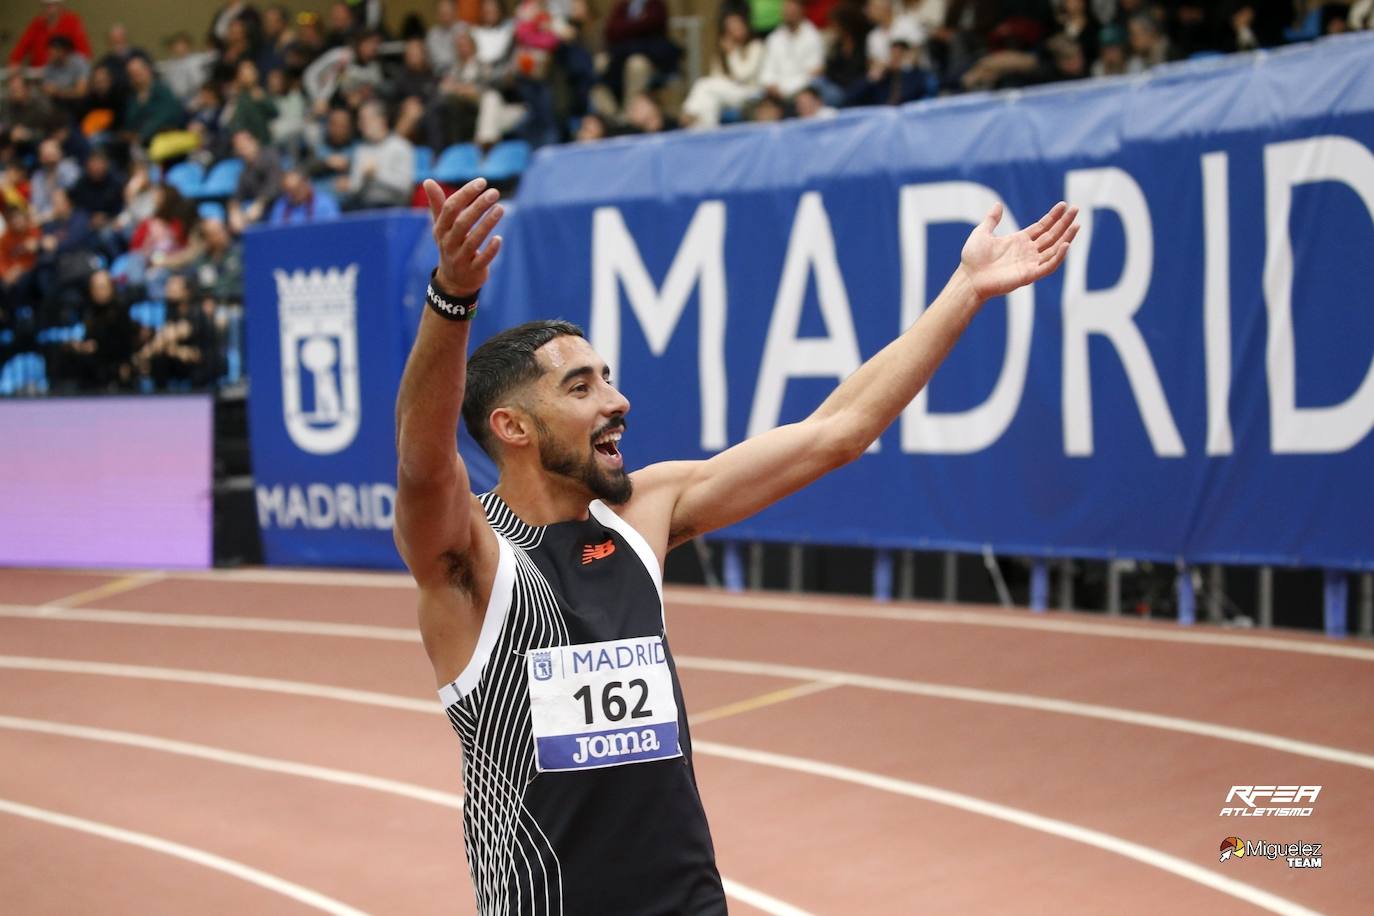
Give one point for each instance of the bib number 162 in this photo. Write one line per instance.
(614, 706)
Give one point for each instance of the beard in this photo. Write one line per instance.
(614, 487)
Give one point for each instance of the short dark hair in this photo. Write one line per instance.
(505, 361)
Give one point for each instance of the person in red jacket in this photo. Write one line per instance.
(32, 47)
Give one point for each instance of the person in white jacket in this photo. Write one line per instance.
(383, 173)
(794, 53)
(734, 78)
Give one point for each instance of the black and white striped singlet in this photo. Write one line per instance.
(618, 839)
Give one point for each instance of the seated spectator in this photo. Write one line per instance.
(592, 128)
(895, 81)
(299, 203)
(65, 259)
(274, 38)
(494, 34)
(1148, 46)
(152, 107)
(1335, 18)
(99, 191)
(415, 79)
(734, 78)
(643, 115)
(118, 52)
(1362, 15)
(888, 26)
(32, 48)
(332, 155)
(222, 22)
(66, 75)
(639, 28)
(345, 67)
(54, 172)
(248, 106)
(1077, 21)
(18, 257)
(185, 350)
(767, 110)
(103, 359)
(160, 241)
(1111, 51)
(794, 54)
(810, 105)
(259, 182)
(205, 119)
(289, 126)
(102, 109)
(185, 71)
(218, 264)
(454, 112)
(846, 62)
(239, 45)
(439, 38)
(26, 116)
(383, 173)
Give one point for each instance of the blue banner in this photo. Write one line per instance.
(1196, 382)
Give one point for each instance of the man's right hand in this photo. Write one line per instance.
(461, 224)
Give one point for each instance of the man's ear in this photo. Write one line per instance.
(511, 426)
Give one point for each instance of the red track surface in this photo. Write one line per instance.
(854, 758)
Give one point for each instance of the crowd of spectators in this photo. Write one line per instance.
(323, 113)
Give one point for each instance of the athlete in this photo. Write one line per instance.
(541, 602)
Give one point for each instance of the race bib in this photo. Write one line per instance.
(602, 704)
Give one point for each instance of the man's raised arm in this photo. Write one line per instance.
(434, 515)
(747, 478)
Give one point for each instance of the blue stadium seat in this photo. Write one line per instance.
(186, 177)
(26, 373)
(212, 209)
(152, 315)
(71, 334)
(221, 181)
(457, 164)
(119, 267)
(506, 160)
(424, 163)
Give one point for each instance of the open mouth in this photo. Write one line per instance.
(608, 443)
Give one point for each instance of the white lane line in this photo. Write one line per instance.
(199, 856)
(1038, 704)
(234, 758)
(1149, 632)
(928, 793)
(891, 685)
(211, 622)
(759, 900)
(215, 679)
(734, 889)
(1037, 822)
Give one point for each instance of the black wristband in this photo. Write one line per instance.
(454, 308)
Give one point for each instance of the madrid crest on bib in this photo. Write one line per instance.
(317, 310)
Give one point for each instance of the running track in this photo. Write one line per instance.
(270, 742)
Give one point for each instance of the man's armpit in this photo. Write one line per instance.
(458, 571)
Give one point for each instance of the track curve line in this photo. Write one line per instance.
(688, 662)
(1105, 841)
(188, 853)
(1026, 819)
(1036, 704)
(235, 758)
(734, 889)
(1150, 632)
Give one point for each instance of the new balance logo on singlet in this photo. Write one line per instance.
(592, 552)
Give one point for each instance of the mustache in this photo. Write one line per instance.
(617, 423)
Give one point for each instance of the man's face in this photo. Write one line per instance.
(49, 153)
(578, 417)
(792, 13)
(340, 127)
(139, 74)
